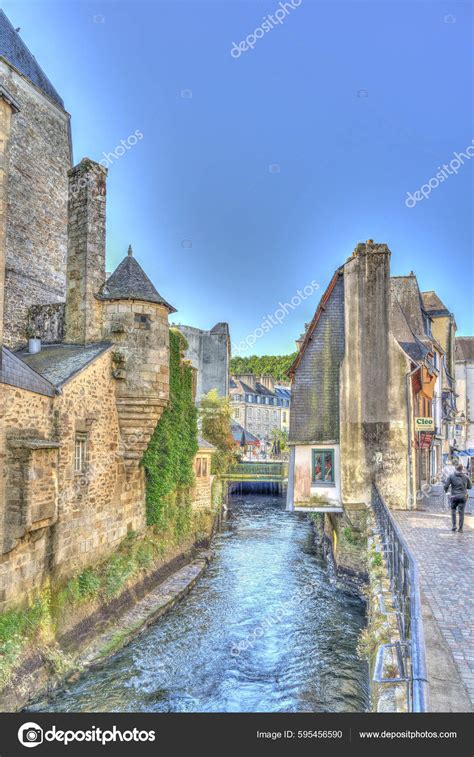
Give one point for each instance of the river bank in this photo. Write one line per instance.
(264, 629)
(69, 638)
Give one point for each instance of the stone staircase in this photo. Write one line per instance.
(138, 417)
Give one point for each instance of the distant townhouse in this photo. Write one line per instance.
(259, 406)
(284, 393)
(443, 330)
(464, 356)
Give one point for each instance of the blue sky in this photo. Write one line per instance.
(258, 174)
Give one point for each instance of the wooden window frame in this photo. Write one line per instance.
(324, 452)
(80, 446)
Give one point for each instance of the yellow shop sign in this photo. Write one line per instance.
(424, 424)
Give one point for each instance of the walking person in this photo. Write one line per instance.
(459, 483)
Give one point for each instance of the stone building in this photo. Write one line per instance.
(78, 415)
(259, 406)
(465, 399)
(36, 153)
(209, 354)
(363, 385)
(443, 330)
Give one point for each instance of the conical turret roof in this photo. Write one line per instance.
(130, 282)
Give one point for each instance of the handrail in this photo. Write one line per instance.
(262, 468)
(405, 586)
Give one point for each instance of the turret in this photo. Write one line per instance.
(135, 319)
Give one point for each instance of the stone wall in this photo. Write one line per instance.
(36, 235)
(202, 491)
(374, 442)
(47, 321)
(209, 353)
(58, 521)
(5, 128)
(140, 333)
(86, 252)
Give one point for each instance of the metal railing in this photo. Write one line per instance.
(274, 469)
(405, 587)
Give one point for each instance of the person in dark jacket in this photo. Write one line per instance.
(459, 483)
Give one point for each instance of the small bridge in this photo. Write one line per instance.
(266, 476)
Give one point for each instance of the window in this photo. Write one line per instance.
(143, 321)
(80, 451)
(237, 412)
(322, 472)
(201, 467)
(284, 416)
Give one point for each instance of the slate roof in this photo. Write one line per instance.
(260, 389)
(464, 347)
(15, 372)
(16, 52)
(58, 363)
(405, 289)
(283, 391)
(314, 321)
(433, 305)
(130, 282)
(204, 444)
(237, 429)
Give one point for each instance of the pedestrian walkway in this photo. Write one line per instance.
(446, 564)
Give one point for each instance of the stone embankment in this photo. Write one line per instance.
(98, 635)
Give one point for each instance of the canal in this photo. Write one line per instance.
(264, 630)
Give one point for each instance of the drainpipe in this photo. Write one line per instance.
(410, 450)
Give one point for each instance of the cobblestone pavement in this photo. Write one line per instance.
(446, 566)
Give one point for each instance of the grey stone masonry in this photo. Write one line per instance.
(209, 353)
(314, 413)
(36, 217)
(86, 252)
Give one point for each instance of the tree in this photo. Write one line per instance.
(280, 436)
(263, 365)
(216, 416)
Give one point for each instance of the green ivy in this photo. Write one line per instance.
(169, 458)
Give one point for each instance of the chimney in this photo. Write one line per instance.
(247, 378)
(86, 252)
(268, 382)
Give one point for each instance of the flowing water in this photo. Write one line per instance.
(264, 630)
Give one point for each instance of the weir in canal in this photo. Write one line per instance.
(264, 630)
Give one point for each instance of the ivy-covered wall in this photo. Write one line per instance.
(168, 460)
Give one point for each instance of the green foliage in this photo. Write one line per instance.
(119, 570)
(281, 436)
(377, 560)
(263, 365)
(216, 416)
(40, 621)
(169, 458)
(16, 626)
(351, 535)
(88, 583)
